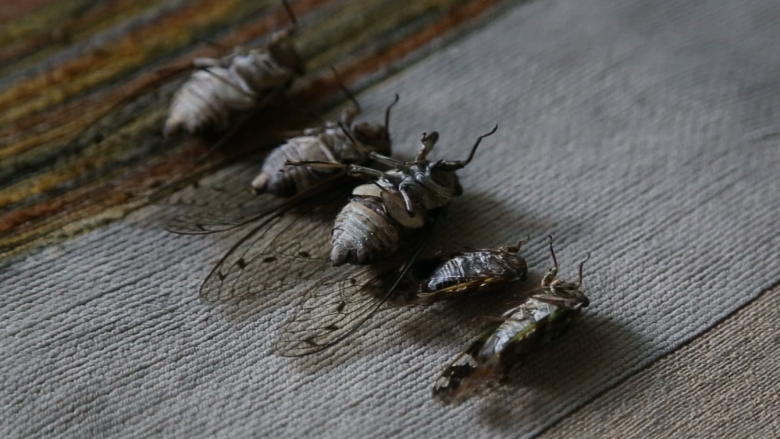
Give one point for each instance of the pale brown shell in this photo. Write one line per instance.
(211, 95)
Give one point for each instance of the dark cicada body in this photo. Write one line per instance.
(536, 321)
(472, 272)
(343, 142)
(237, 82)
(370, 226)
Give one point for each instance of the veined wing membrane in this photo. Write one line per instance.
(204, 221)
(337, 305)
(281, 246)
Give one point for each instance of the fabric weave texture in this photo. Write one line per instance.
(645, 133)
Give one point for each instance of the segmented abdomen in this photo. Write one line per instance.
(471, 266)
(210, 95)
(284, 181)
(363, 232)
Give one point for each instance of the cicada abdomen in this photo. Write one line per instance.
(370, 226)
(536, 321)
(472, 272)
(344, 142)
(237, 82)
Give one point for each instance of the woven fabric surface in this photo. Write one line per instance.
(86, 85)
(643, 133)
(724, 384)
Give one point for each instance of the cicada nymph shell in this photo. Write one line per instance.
(237, 82)
(536, 321)
(471, 272)
(340, 141)
(370, 226)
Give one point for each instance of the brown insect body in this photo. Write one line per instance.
(472, 272)
(237, 82)
(536, 321)
(343, 142)
(370, 226)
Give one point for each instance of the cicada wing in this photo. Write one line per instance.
(278, 250)
(465, 373)
(254, 267)
(244, 208)
(204, 221)
(332, 308)
(474, 285)
(338, 304)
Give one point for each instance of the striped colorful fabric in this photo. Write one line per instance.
(85, 87)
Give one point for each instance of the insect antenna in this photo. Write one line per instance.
(579, 282)
(349, 135)
(291, 14)
(387, 114)
(516, 248)
(552, 252)
(454, 165)
(474, 149)
(346, 91)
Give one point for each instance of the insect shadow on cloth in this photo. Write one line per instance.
(536, 321)
(287, 249)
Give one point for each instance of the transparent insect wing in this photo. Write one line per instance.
(280, 246)
(336, 306)
(458, 380)
(270, 257)
(331, 309)
(207, 220)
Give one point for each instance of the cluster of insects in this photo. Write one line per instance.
(354, 227)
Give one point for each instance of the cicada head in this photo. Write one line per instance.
(518, 264)
(565, 290)
(570, 292)
(511, 255)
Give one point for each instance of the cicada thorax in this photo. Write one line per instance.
(342, 142)
(238, 82)
(318, 144)
(371, 225)
(539, 319)
(472, 272)
(410, 194)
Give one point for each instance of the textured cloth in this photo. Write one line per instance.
(644, 133)
(724, 384)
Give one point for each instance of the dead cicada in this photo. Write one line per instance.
(336, 305)
(237, 82)
(468, 272)
(293, 247)
(370, 226)
(537, 320)
(340, 141)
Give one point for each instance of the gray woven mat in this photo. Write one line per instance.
(724, 384)
(643, 132)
